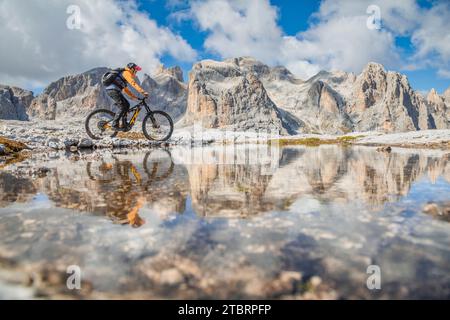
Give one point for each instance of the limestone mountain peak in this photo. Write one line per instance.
(372, 67)
(175, 72)
(446, 95)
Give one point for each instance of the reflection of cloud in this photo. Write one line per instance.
(264, 154)
(306, 204)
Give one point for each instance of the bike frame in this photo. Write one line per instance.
(137, 109)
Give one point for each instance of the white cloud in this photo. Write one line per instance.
(37, 47)
(432, 39)
(247, 27)
(443, 73)
(398, 17)
(427, 28)
(343, 43)
(338, 37)
(336, 41)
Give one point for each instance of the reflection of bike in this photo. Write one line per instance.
(158, 165)
(157, 125)
(125, 194)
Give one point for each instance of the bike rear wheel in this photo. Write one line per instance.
(158, 164)
(157, 126)
(99, 124)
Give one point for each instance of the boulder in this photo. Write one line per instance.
(85, 143)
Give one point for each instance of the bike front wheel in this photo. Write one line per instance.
(98, 124)
(157, 126)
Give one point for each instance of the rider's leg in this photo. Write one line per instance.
(125, 106)
(122, 103)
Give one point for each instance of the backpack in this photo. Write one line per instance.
(109, 77)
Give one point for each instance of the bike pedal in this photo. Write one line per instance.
(121, 129)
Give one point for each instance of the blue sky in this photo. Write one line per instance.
(293, 17)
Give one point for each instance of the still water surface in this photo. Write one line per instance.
(296, 222)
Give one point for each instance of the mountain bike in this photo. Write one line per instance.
(156, 126)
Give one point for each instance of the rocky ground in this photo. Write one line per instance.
(50, 135)
(413, 139)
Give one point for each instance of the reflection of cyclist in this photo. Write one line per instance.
(119, 82)
(133, 217)
(126, 196)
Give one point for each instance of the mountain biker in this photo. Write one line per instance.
(127, 77)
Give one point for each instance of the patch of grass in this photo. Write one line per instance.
(14, 151)
(311, 142)
(345, 130)
(305, 142)
(314, 142)
(347, 138)
(12, 146)
(131, 135)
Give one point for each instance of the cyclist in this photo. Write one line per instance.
(121, 83)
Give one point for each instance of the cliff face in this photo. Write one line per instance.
(446, 96)
(14, 103)
(71, 96)
(224, 95)
(439, 108)
(307, 106)
(167, 91)
(385, 101)
(337, 102)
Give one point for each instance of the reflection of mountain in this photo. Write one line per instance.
(228, 190)
(328, 173)
(14, 189)
(331, 173)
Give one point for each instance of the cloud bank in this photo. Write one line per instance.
(38, 47)
(338, 36)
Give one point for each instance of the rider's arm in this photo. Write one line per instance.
(129, 93)
(130, 79)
